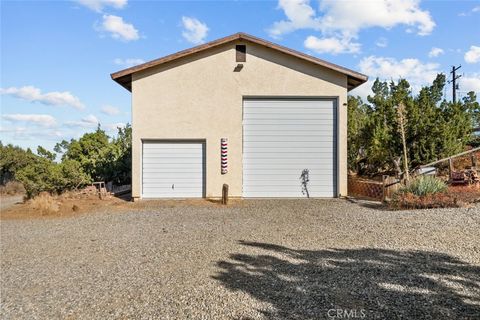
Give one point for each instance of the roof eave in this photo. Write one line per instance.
(124, 77)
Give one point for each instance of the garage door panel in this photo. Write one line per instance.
(170, 166)
(258, 151)
(287, 102)
(287, 116)
(152, 153)
(182, 187)
(296, 190)
(278, 158)
(316, 113)
(172, 170)
(317, 122)
(282, 138)
(168, 161)
(172, 145)
(304, 163)
(287, 138)
(271, 174)
(166, 172)
(279, 184)
(290, 144)
(170, 194)
(168, 180)
(285, 155)
(286, 133)
(297, 193)
(282, 168)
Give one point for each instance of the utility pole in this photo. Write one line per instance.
(454, 85)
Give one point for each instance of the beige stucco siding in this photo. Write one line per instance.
(200, 97)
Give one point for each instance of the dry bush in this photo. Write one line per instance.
(12, 188)
(45, 204)
(465, 161)
(453, 197)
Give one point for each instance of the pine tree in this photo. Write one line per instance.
(434, 128)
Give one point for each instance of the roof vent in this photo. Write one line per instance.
(241, 53)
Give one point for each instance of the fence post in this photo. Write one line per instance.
(384, 187)
(225, 194)
(450, 168)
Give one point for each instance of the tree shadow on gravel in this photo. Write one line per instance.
(356, 283)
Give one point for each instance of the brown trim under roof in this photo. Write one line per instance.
(124, 77)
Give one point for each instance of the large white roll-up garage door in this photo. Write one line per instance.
(172, 170)
(289, 148)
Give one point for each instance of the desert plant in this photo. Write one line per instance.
(45, 203)
(424, 185)
(46, 175)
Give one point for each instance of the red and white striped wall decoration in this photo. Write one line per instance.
(224, 143)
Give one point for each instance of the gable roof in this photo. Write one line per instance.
(124, 77)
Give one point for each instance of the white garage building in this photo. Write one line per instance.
(264, 119)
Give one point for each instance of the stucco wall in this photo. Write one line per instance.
(200, 97)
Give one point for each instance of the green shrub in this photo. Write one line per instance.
(43, 175)
(425, 185)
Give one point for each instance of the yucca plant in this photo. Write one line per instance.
(425, 185)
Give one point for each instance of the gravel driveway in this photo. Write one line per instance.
(265, 259)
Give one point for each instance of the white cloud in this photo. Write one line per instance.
(435, 52)
(356, 15)
(17, 132)
(470, 82)
(381, 42)
(110, 110)
(129, 62)
(352, 16)
(89, 121)
(31, 134)
(43, 120)
(98, 5)
(390, 68)
(469, 13)
(416, 72)
(331, 45)
(472, 55)
(54, 98)
(300, 15)
(194, 30)
(113, 127)
(341, 21)
(118, 28)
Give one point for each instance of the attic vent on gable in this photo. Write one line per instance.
(241, 53)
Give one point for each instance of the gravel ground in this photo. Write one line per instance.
(265, 259)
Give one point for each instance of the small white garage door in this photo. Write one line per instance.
(289, 148)
(172, 170)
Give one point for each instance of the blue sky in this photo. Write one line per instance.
(56, 57)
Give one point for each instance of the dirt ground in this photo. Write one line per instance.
(13, 207)
(24, 210)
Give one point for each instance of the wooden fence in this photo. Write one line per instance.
(371, 189)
